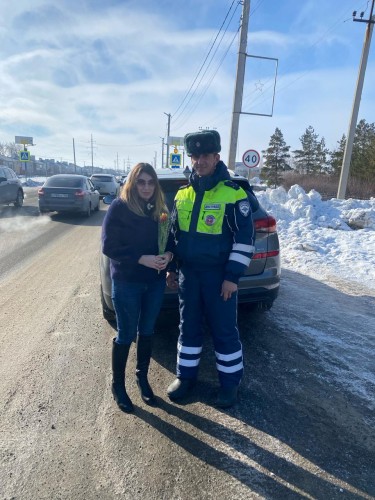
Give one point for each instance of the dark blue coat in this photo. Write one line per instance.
(127, 236)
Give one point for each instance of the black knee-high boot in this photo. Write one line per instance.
(120, 354)
(144, 350)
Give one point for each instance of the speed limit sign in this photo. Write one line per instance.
(251, 158)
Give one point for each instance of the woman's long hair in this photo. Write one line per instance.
(129, 192)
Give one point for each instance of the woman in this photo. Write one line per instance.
(133, 237)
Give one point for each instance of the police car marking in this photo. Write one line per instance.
(244, 208)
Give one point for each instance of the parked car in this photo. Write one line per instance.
(259, 287)
(106, 184)
(68, 193)
(11, 190)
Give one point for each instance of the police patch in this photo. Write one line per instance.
(244, 208)
(210, 220)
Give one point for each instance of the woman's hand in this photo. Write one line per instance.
(158, 262)
(168, 256)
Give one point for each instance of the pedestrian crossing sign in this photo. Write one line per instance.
(25, 155)
(175, 160)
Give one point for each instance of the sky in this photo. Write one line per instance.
(107, 74)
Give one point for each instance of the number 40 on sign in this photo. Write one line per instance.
(251, 158)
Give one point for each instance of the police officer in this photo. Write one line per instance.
(214, 242)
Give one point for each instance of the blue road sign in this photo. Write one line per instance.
(25, 155)
(175, 160)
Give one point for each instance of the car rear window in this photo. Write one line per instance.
(69, 182)
(101, 178)
(170, 188)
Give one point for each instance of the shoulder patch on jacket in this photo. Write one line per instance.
(232, 184)
(244, 207)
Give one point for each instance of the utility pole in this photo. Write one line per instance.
(74, 156)
(92, 157)
(237, 102)
(168, 134)
(162, 152)
(357, 100)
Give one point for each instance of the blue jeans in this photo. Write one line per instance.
(137, 306)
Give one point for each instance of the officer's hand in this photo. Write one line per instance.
(171, 280)
(227, 288)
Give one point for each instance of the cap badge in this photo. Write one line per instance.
(197, 144)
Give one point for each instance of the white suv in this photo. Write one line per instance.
(105, 184)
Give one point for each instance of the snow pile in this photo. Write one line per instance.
(33, 182)
(324, 238)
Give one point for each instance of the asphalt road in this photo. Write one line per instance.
(304, 427)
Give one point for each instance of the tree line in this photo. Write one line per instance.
(314, 158)
(10, 149)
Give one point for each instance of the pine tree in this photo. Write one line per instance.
(308, 159)
(363, 159)
(275, 158)
(362, 164)
(323, 153)
(337, 156)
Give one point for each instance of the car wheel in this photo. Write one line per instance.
(108, 314)
(19, 200)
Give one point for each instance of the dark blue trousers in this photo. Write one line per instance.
(199, 294)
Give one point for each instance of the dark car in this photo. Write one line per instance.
(260, 285)
(68, 193)
(10, 187)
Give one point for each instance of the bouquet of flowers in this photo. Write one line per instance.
(163, 231)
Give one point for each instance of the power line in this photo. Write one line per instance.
(281, 88)
(190, 93)
(205, 59)
(206, 70)
(210, 81)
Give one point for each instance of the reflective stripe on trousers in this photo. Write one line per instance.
(199, 293)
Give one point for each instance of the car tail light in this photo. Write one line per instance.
(80, 193)
(265, 255)
(40, 192)
(266, 225)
